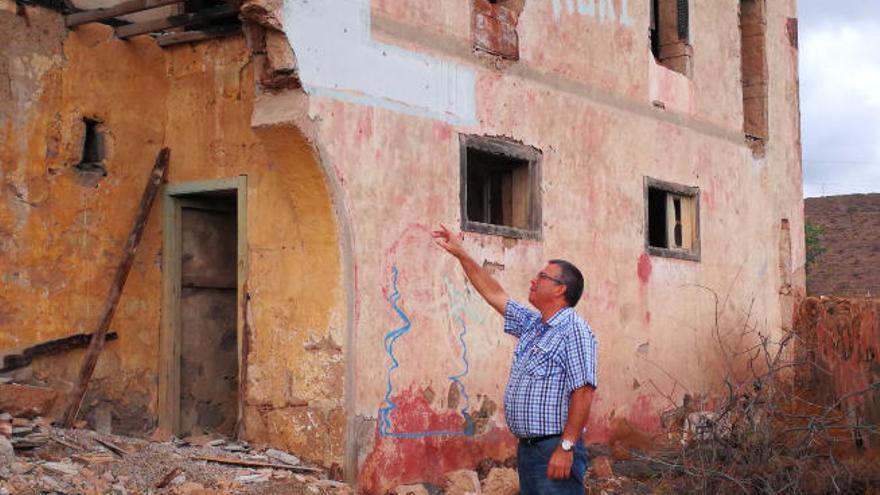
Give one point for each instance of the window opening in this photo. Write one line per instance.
(670, 34)
(493, 24)
(672, 220)
(500, 187)
(753, 27)
(91, 165)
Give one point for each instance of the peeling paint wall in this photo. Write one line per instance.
(61, 240)
(367, 342)
(587, 93)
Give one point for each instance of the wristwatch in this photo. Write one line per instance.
(566, 445)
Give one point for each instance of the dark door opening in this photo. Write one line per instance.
(208, 310)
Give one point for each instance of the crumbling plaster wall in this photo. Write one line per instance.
(61, 240)
(431, 356)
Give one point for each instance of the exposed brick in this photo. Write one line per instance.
(494, 29)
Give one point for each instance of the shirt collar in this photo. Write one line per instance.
(559, 316)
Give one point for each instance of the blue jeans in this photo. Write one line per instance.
(532, 463)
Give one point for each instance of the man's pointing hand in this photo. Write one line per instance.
(448, 241)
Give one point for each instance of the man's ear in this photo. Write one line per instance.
(562, 289)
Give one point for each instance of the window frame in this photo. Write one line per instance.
(517, 151)
(680, 190)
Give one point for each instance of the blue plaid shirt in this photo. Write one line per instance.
(550, 361)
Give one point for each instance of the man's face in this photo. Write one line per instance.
(546, 286)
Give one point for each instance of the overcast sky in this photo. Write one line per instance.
(840, 95)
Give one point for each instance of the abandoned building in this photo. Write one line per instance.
(286, 289)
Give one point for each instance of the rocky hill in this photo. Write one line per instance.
(848, 230)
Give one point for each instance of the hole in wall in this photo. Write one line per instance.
(90, 168)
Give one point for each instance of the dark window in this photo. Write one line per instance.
(93, 143)
(673, 221)
(500, 193)
(670, 33)
(93, 151)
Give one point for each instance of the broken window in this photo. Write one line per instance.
(670, 35)
(494, 27)
(753, 28)
(672, 220)
(500, 187)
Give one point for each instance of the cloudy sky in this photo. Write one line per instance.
(840, 95)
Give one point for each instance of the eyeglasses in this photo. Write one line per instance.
(544, 276)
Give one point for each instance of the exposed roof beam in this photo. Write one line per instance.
(190, 36)
(128, 7)
(176, 20)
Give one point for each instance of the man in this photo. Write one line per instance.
(553, 374)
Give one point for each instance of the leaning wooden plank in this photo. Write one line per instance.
(129, 7)
(192, 36)
(175, 20)
(255, 464)
(19, 358)
(157, 176)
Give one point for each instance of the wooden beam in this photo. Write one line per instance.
(175, 20)
(253, 464)
(193, 36)
(157, 177)
(20, 358)
(129, 7)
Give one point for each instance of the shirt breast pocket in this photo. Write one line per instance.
(542, 364)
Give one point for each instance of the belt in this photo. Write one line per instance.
(532, 441)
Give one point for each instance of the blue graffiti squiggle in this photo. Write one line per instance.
(385, 427)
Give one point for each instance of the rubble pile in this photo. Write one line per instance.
(37, 458)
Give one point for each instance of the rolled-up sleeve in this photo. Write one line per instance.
(580, 359)
(518, 318)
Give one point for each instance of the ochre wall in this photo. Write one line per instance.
(61, 240)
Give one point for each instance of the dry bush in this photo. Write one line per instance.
(766, 435)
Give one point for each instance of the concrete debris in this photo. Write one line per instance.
(253, 478)
(236, 447)
(501, 481)
(36, 457)
(416, 489)
(283, 457)
(462, 482)
(63, 468)
(7, 453)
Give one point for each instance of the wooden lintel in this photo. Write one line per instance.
(128, 7)
(175, 20)
(193, 36)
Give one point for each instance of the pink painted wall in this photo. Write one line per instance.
(582, 93)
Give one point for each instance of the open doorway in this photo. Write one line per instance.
(203, 272)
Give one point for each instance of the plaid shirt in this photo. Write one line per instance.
(550, 361)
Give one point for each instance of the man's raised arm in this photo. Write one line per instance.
(485, 284)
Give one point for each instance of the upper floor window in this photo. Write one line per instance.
(670, 35)
(753, 28)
